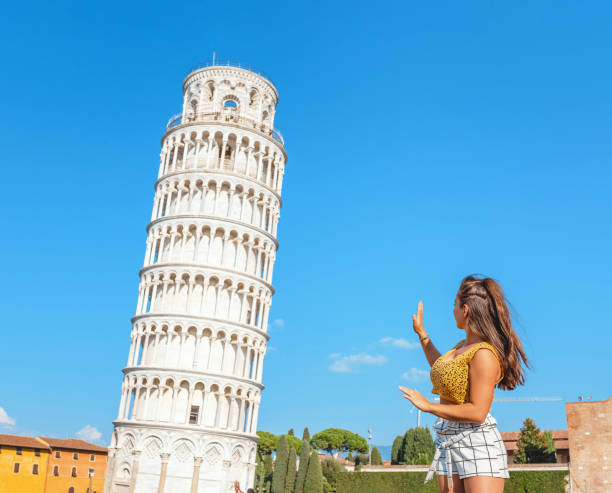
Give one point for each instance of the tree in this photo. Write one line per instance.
(361, 460)
(268, 471)
(290, 479)
(395, 449)
(303, 469)
(533, 445)
(336, 440)
(291, 433)
(376, 457)
(350, 457)
(267, 443)
(417, 447)
(260, 476)
(280, 466)
(330, 468)
(294, 443)
(314, 476)
(306, 435)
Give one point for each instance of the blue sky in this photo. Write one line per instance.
(425, 142)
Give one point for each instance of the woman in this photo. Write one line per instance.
(470, 453)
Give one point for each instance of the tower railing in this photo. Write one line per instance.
(229, 63)
(228, 117)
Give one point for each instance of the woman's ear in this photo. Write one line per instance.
(466, 311)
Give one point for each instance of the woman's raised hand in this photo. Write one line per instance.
(417, 321)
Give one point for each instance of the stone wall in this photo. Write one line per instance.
(589, 426)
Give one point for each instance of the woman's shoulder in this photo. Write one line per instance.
(482, 345)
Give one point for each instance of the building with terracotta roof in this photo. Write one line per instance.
(559, 439)
(74, 466)
(50, 465)
(23, 464)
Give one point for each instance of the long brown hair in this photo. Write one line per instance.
(489, 318)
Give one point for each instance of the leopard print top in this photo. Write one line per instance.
(450, 377)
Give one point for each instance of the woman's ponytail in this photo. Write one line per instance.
(489, 317)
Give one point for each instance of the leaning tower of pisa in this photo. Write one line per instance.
(192, 385)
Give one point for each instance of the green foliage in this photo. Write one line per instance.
(314, 476)
(384, 482)
(350, 457)
(376, 457)
(306, 435)
(294, 443)
(361, 460)
(260, 476)
(537, 482)
(268, 470)
(533, 446)
(395, 449)
(334, 440)
(280, 466)
(291, 433)
(267, 443)
(291, 472)
(301, 474)
(550, 444)
(396, 482)
(327, 487)
(330, 469)
(417, 447)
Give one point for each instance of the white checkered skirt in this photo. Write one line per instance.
(469, 449)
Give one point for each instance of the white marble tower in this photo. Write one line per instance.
(192, 385)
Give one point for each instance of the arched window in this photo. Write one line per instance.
(56, 470)
(71, 489)
(73, 473)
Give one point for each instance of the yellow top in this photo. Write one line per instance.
(450, 377)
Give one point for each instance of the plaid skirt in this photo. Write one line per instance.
(468, 449)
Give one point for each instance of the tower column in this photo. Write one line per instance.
(165, 457)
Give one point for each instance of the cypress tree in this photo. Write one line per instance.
(376, 457)
(260, 479)
(291, 432)
(301, 475)
(314, 476)
(306, 435)
(268, 470)
(290, 480)
(280, 466)
(395, 449)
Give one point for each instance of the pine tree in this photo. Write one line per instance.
(314, 476)
(376, 457)
(291, 472)
(395, 449)
(280, 466)
(533, 446)
(301, 475)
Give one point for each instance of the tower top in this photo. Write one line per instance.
(235, 91)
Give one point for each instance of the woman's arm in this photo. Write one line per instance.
(431, 353)
(484, 372)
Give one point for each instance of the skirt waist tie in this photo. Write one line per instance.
(446, 445)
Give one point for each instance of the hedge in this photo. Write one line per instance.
(412, 482)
